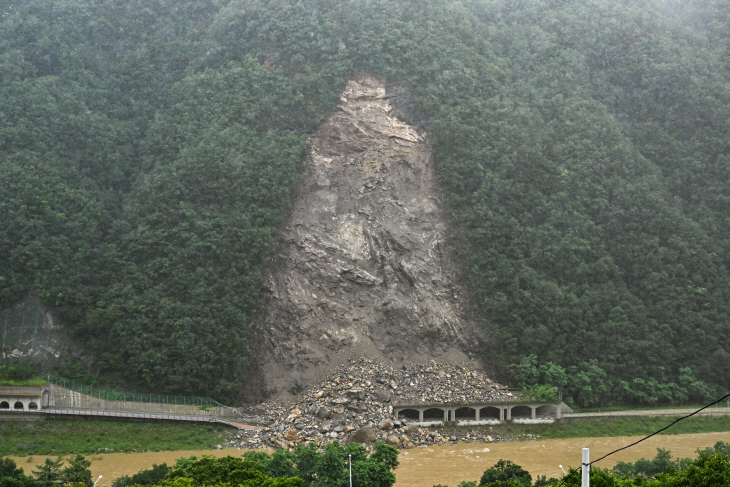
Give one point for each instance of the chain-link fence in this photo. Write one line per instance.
(132, 396)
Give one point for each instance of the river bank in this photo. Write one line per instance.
(628, 426)
(445, 464)
(95, 436)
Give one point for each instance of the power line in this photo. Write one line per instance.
(574, 470)
(570, 474)
(665, 428)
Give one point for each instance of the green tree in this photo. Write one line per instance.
(646, 469)
(705, 471)
(305, 459)
(208, 471)
(151, 476)
(50, 473)
(330, 467)
(78, 472)
(505, 474)
(12, 476)
(282, 464)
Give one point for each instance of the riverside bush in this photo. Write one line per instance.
(711, 468)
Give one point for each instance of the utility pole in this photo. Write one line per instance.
(586, 469)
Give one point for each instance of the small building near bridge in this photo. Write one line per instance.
(23, 399)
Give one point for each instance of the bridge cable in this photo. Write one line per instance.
(574, 470)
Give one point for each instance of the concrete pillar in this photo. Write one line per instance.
(558, 412)
(509, 413)
(446, 415)
(476, 413)
(420, 415)
(501, 414)
(533, 412)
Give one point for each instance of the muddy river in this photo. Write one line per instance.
(447, 464)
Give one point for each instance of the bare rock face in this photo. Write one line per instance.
(31, 334)
(362, 268)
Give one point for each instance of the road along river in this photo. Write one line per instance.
(446, 464)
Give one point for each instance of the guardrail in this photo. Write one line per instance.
(649, 412)
(129, 414)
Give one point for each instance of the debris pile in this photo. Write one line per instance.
(356, 403)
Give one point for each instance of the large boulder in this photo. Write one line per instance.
(357, 408)
(385, 425)
(278, 444)
(291, 435)
(356, 394)
(392, 440)
(382, 396)
(365, 435)
(323, 412)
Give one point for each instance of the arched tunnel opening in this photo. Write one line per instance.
(521, 412)
(411, 414)
(545, 411)
(433, 414)
(465, 414)
(489, 412)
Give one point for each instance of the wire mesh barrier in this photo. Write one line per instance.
(108, 395)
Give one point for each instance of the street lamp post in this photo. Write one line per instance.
(97, 480)
(350, 457)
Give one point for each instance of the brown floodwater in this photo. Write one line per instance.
(446, 464)
(449, 465)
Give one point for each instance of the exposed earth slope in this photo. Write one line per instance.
(362, 267)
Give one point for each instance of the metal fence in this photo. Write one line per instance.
(132, 396)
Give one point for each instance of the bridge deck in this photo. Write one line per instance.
(649, 412)
(197, 418)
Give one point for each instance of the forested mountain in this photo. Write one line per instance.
(148, 150)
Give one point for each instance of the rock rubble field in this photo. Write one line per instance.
(355, 403)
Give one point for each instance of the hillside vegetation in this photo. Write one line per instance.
(148, 150)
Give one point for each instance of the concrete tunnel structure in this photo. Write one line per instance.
(17, 398)
(481, 413)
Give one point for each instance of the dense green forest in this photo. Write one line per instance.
(148, 151)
